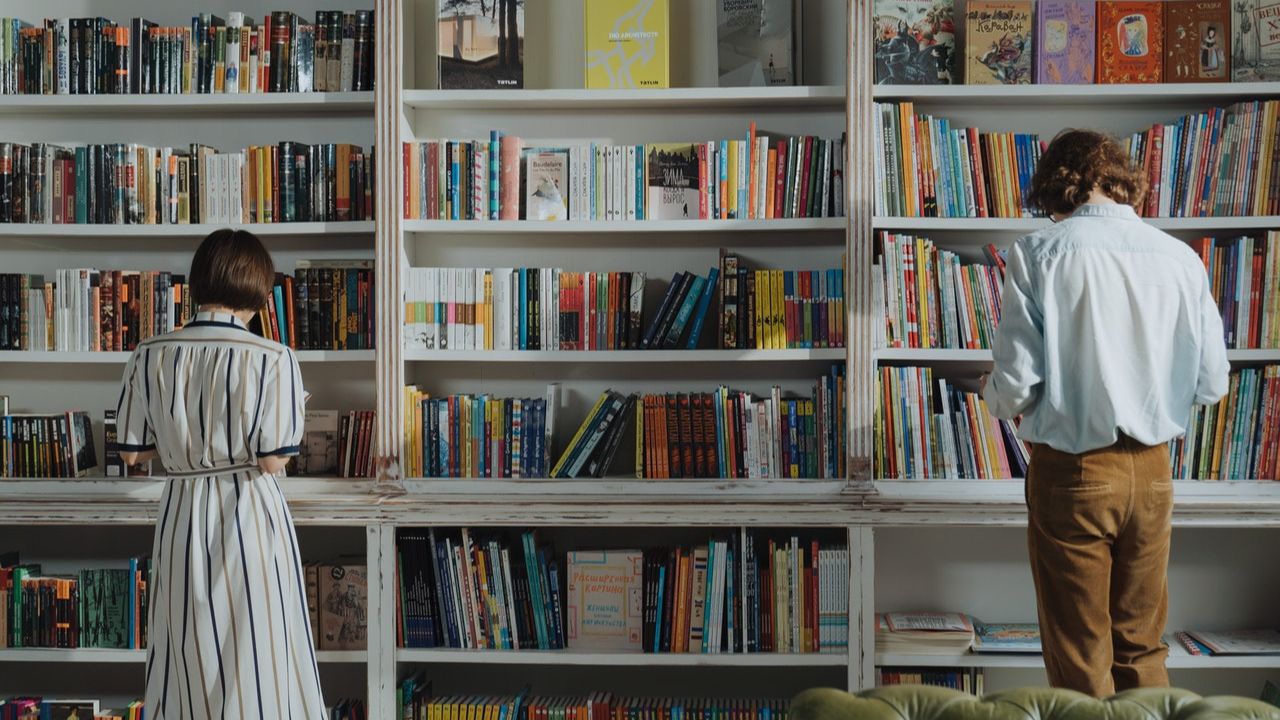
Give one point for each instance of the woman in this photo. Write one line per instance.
(221, 408)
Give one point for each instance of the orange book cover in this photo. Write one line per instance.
(1130, 41)
(1197, 41)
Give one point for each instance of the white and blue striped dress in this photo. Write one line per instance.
(229, 632)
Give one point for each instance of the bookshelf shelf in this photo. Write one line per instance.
(755, 99)
(301, 229)
(1179, 659)
(939, 356)
(255, 104)
(567, 657)
(1026, 225)
(625, 356)
(1057, 95)
(31, 357)
(620, 489)
(107, 655)
(524, 227)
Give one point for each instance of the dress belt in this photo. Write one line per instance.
(224, 471)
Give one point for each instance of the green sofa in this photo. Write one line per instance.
(911, 702)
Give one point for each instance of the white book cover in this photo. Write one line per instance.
(502, 308)
(470, 300)
(605, 600)
(62, 64)
(235, 22)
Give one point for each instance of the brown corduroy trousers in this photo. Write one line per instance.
(1098, 534)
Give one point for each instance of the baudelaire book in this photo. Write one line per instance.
(605, 600)
(546, 178)
(1130, 41)
(757, 42)
(1065, 31)
(480, 44)
(628, 44)
(915, 42)
(1255, 32)
(671, 181)
(1197, 41)
(998, 47)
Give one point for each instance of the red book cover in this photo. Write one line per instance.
(407, 174)
(671, 437)
(290, 323)
(979, 179)
(702, 181)
(1255, 299)
(803, 168)
(1130, 41)
(1197, 41)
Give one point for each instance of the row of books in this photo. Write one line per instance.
(338, 603)
(46, 446)
(760, 176)
(941, 431)
(416, 701)
(96, 56)
(733, 434)
(767, 309)
(1237, 438)
(927, 168)
(99, 608)
(926, 298)
(1218, 162)
(463, 591)
(478, 436)
(1245, 276)
(1074, 42)
(133, 184)
(335, 443)
(951, 633)
(969, 680)
(35, 707)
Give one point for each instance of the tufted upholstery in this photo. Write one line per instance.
(910, 702)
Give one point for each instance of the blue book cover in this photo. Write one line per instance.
(649, 339)
(133, 603)
(657, 623)
(684, 313)
(704, 304)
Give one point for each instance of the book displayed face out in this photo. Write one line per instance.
(480, 45)
(628, 44)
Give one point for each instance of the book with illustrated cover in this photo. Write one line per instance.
(1130, 41)
(343, 600)
(605, 600)
(1255, 40)
(671, 181)
(1065, 42)
(480, 45)
(1197, 41)
(318, 454)
(1006, 638)
(915, 42)
(757, 42)
(998, 46)
(546, 180)
(1239, 642)
(628, 44)
(68, 709)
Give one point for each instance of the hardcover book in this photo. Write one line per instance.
(1006, 638)
(546, 184)
(343, 599)
(1196, 41)
(605, 601)
(68, 710)
(1130, 42)
(998, 46)
(757, 42)
(671, 181)
(480, 45)
(1065, 42)
(628, 44)
(915, 42)
(1255, 40)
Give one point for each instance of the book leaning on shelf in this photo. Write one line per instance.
(95, 56)
(132, 184)
(1239, 437)
(47, 446)
(417, 701)
(478, 436)
(759, 175)
(457, 589)
(95, 608)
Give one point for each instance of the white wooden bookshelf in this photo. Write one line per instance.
(1179, 659)
(119, 358)
(104, 655)
(626, 356)
(198, 231)
(1051, 96)
(629, 660)
(932, 356)
(600, 227)
(1028, 225)
(671, 99)
(269, 104)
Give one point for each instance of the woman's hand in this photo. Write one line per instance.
(273, 464)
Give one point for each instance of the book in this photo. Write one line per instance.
(924, 633)
(915, 42)
(1065, 42)
(1006, 638)
(58, 446)
(474, 436)
(756, 42)
(1130, 41)
(547, 185)
(671, 181)
(343, 606)
(421, 702)
(318, 454)
(604, 600)
(68, 709)
(1255, 35)
(1239, 642)
(1197, 41)
(1211, 450)
(628, 44)
(480, 45)
(999, 42)
(931, 299)
(969, 680)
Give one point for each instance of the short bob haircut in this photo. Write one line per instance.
(1077, 162)
(231, 269)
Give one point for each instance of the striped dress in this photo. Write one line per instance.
(230, 636)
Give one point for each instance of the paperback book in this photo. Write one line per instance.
(480, 45)
(628, 44)
(605, 600)
(1255, 36)
(915, 42)
(343, 606)
(757, 42)
(671, 181)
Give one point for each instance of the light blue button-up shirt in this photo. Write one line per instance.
(1107, 325)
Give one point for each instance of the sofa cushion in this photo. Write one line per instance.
(911, 702)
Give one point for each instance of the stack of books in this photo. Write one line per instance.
(478, 436)
(930, 300)
(95, 56)
(1239, 437)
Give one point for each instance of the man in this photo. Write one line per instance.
(1109, 334)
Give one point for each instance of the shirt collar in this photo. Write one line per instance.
(217, 318)
(1117, 210)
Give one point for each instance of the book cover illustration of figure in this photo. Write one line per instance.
(1131, 42)
(756, 42)
(627, 44)
(480, 44)
(1065, 44)
(345, 621)
(1197, 35)
(1255, 30)
(1131, 34)
(999, 43)
(671, 171)
(914, 42)
(546, 182)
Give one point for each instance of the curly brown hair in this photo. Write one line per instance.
(1076, 163)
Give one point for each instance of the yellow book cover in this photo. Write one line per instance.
(779, 310)
(627, 44)
(761, 319)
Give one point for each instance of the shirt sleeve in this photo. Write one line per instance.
(1014, 384)
(281, 407)
(1213, 379)
(133, 428)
